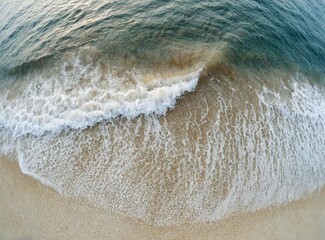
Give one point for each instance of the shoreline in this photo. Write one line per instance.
(30, 210)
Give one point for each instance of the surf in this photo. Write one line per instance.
(170, 113)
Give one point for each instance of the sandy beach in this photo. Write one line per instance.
(30, 210)
(162, 120)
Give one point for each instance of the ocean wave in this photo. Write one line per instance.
(238, 143)
(93, 103)
(57, 104)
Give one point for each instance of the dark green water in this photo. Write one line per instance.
(166, 111)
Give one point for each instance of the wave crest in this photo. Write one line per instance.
(79, 97)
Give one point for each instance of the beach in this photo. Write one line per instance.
(30, 210)
(162, 119)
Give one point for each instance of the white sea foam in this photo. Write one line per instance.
(234, 147)
(69, 101)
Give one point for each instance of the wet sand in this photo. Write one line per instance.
(30, 210)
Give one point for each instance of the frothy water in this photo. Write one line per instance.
(224, 149)
(188, 113)
(79, 98)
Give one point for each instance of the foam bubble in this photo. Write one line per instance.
(80, 98)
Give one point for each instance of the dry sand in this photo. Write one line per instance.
(30, 210)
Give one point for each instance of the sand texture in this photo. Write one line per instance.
(30, 210)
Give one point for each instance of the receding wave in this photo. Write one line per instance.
(240, 142)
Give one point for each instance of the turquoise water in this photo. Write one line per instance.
(251, 33)
(166, 111)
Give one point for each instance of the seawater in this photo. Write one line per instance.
(168, 112)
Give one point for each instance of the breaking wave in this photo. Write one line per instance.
(169, 112)
(238, 143)
(57, 104)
